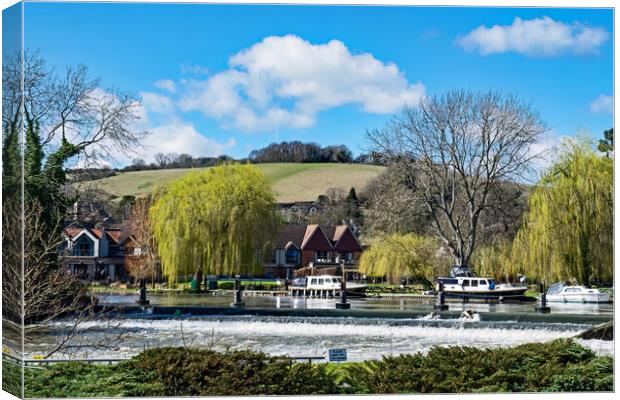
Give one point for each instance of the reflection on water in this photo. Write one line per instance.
(186, 299)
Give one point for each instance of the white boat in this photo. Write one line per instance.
(323, 285)
(561, 293)
(464, 284)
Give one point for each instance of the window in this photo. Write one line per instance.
(321, 281)
(474, 282)
(292, 256)
(465, 282)
(313, 281)
(83, 247)
(483, 283)
(321, 255)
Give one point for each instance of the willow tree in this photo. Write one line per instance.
(568, 232)
(214, 222)
(495, 260)
(397, 256)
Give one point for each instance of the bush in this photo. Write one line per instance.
(200, 372)
(560, 365)
(226, 285)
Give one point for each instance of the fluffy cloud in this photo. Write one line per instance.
(170, 134)
(181, 138)
(157, 103)
(543, 152)
(534, 37)
(284, 81)
(166, 84)
(602, 104)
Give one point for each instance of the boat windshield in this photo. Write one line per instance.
(555, 288)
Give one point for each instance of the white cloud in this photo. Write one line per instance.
(534, 37)
(179, 137)
(172, 135)
(285, 81)
(544, 152)
(602, 104)
(157, 103)
(166, 84)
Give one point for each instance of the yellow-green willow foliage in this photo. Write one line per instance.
(216, 221)
(495, 260)
(568, 232)
(398, 255)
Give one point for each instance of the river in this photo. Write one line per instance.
(364, 338)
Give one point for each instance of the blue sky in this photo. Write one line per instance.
(228, 79)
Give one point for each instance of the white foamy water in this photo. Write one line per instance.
(364, 339)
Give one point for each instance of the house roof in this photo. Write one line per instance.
(291, 233)
(315, 237)
(118, 236)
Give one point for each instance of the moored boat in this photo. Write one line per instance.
(464, 284)
(561, 293)
(324, 286)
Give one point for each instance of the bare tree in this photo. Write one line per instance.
(71, 107)
(392, 206)
(161, 159)
(462, 145)
(143, 264)
(49, 293)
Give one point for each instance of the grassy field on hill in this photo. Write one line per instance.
(291, 181)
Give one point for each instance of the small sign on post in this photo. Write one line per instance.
(337, 355)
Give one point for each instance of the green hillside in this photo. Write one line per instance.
(291, 182)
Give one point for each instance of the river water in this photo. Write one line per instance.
(363, 338)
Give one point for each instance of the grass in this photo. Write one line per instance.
(291, 181)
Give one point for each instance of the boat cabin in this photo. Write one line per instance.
(320, 282)
(469, 282)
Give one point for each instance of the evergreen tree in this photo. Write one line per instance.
(606, 145)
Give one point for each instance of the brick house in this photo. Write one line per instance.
(299, 246)
(98, 254)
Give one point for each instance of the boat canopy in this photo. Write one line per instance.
(556, 288)
(460, 271)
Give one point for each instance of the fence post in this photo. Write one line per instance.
(238, 303)
(543, 309)
(441, 298)
(343, 305)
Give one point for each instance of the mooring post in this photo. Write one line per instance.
(543, 300)
(142, 300)
(441, 299)
(343, 305)
(238, 303)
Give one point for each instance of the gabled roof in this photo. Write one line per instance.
(117, 236)
(315, 239)
(290, 233)
(320, 238)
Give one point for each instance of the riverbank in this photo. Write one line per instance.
(559, 365)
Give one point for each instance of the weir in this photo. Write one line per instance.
(353, 313)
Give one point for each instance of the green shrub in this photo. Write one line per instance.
(200, 372)
(87, 380)
(226, 285)
(560, 365)
(11, 377)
